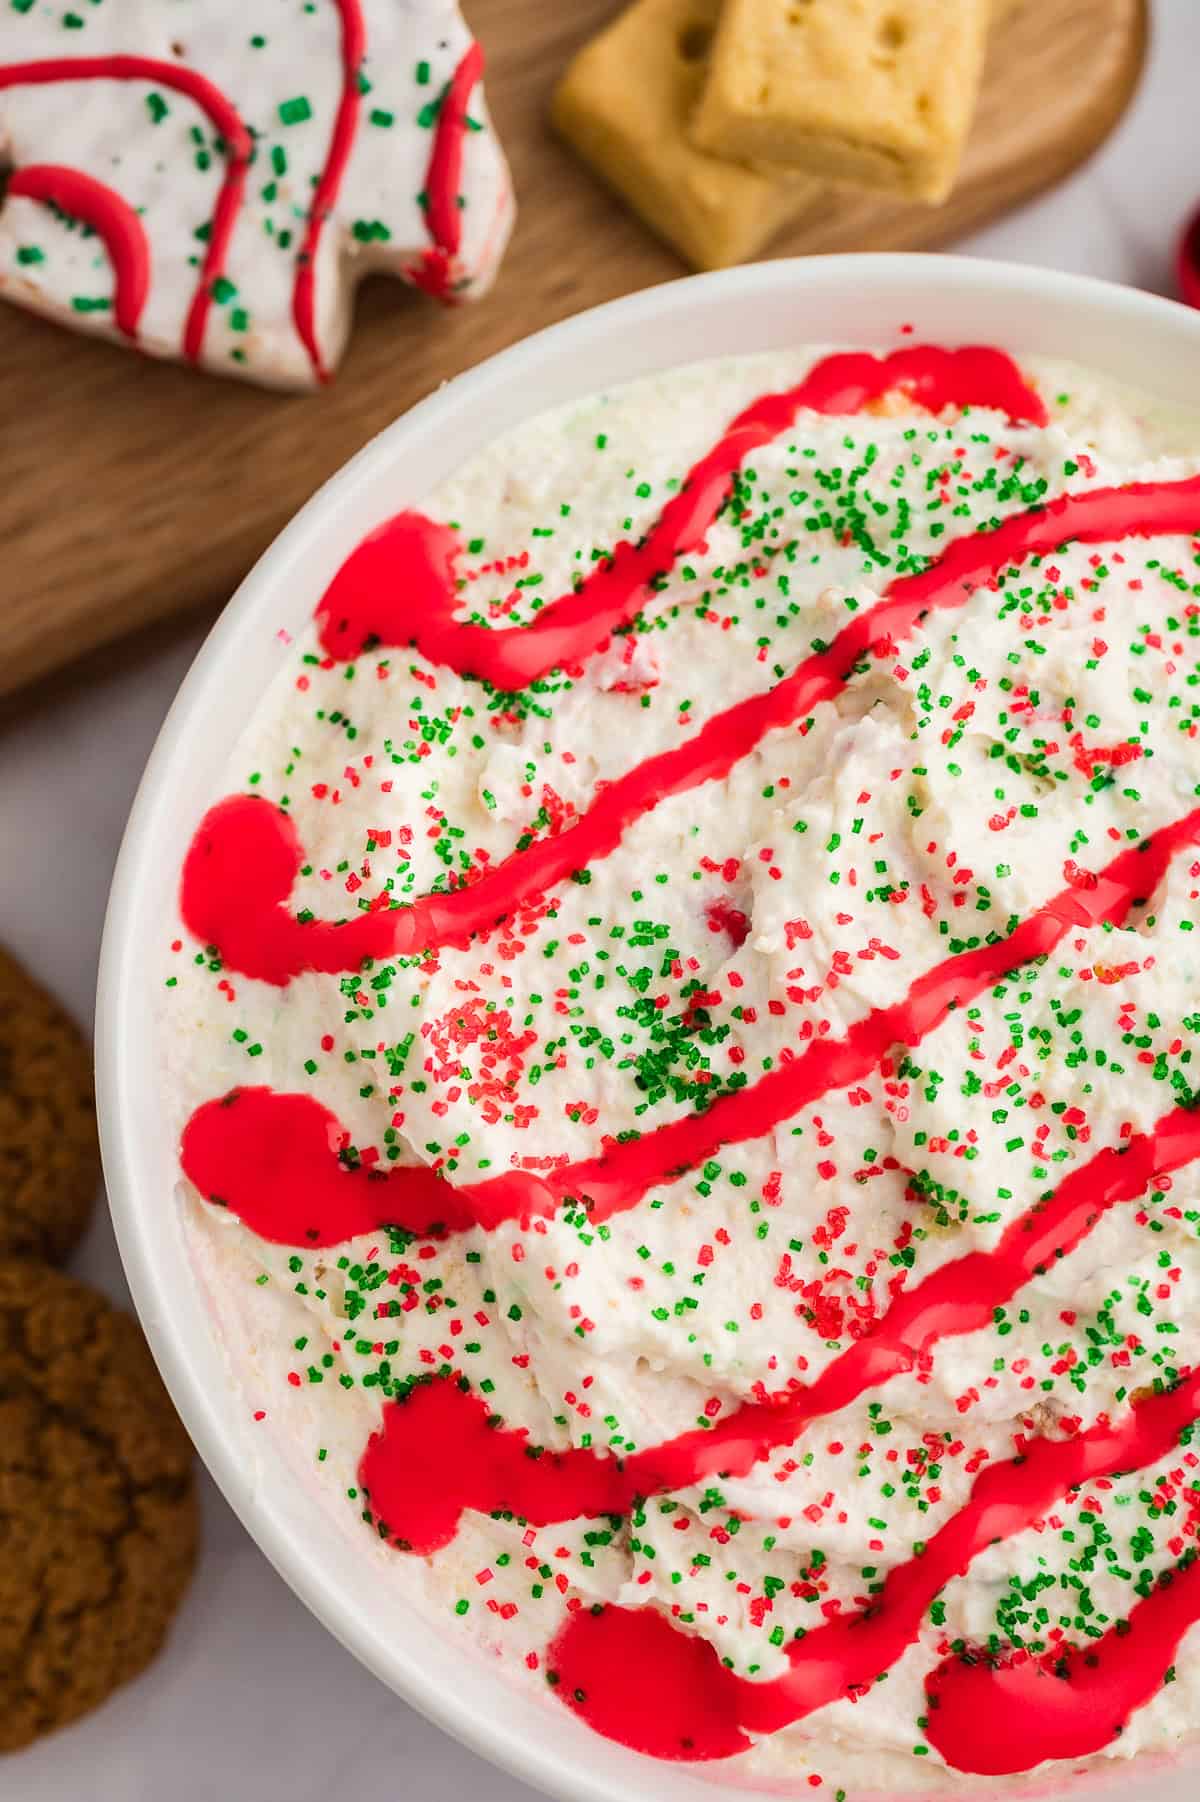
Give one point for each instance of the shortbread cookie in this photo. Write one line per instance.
(211, 181)
(625, 103)
(49, 1155)
(876, 92)
(97, 1510)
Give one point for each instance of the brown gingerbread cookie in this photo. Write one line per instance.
(97, 1505)
(49, 1154)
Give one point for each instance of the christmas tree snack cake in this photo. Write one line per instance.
(679, 1021)
(210, 181)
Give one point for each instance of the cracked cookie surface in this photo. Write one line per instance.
(98, 1519)
(49, 1153)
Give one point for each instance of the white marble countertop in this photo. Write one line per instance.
(253, 1701)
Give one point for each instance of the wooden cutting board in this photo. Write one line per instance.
(132, 490)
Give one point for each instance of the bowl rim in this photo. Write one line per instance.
(150, 1250)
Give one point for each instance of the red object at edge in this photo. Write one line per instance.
(1187, 262)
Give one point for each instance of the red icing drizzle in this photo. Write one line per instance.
(223, 116)
(398, 587)
(266, 1155)
(1072, 1710)
(113, 218)
(269, 946)
(442, 1434)
(443, 180)
(637, 1679)
(354, 49)
(237, 877)
(283, 1162)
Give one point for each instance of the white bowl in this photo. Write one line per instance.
(863, 300)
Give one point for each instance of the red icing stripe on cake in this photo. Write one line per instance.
(443, 181)
(345, 125)
(220, 111)
(111, 217)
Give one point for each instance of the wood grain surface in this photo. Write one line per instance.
(132, 490)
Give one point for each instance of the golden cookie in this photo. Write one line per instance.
(624, 103)
(880, 93)
(97, 1510)
(49, 1155)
